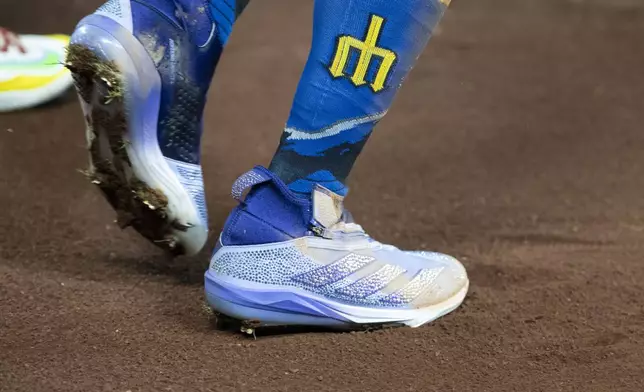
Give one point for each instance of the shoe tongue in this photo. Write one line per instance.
(327, 207)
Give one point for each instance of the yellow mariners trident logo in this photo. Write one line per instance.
(367, 49)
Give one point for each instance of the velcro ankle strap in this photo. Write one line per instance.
(247, 181)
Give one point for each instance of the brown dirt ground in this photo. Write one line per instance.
(516, 145)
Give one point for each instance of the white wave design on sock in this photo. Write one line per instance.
(295, 134)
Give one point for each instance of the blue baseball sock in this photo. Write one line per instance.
(362, 51)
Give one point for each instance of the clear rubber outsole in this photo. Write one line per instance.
(250, 306)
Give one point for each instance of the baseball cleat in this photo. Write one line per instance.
(286, 260)
(31, 69)
(142, 71)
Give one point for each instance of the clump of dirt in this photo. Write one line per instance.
(85, 66)
(153, 198)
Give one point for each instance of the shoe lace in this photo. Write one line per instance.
(9, 39)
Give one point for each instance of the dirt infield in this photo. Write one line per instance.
(516, 145)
